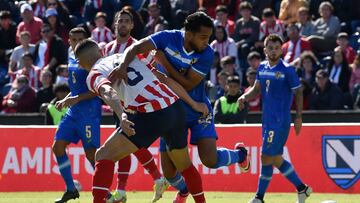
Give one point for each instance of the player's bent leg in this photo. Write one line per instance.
(90, 155)
(116, 147)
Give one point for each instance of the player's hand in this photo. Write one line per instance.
(241, 101)
(297, 125)
(202, 108)
(119, 73)
(59, 104)
(127, 126)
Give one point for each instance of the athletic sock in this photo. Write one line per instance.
(288, 171)
(178, 182)
(65, 171)
(147, 160)
(102, 179)
(123, 172)
(264, 180)
(194, 183)
(227, 157)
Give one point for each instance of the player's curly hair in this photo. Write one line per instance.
(194, 21)
(273, 38)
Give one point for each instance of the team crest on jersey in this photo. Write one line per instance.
(277, 74)
(340, 156)
(194, 60)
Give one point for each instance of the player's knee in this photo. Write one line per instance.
(209, 161)
(58, 149)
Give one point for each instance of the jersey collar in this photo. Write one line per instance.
(187, 53)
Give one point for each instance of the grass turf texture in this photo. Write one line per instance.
(212, 197)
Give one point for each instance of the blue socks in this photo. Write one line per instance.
(178, 182)
(264, 180)
(227, 157)
(65, 170)
(288, 171)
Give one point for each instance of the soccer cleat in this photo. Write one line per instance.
(256, 200)
(304, 194)
(180, 198)
(161, 185)
(117, 197)
(244, 165)
(68, 195)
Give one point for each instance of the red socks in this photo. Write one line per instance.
(123, 172)
(194, 183)
(102, 179)
(147, 160)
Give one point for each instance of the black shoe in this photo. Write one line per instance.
(68, 195)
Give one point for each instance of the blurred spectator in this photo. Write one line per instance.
(165, 8)
(226, 109)
(246, 31)
(55, 23)
(45, 93)
(21, 97)
(254, 60)
(75, 8)
(355, 19)
(222, 19)
(296, 44)
(39, 7)
(40, 48)
(223, 44)
(305, 24)
(15, 59)
(325, 95)
(215, 69)
(110, 7)
(101, 33)
(327, 27)
(260, 5)
(63, 13)
(339, 71)
(308, 67)
(138, 30)
(30, 23)
(254, 104)
(269, 25)
(62, 74)
(289, 10)
(210, 6)
(154, 18)
(53, 116)
(160, 27)
(7, 36)
(228, 64)
(184, 6)
(135, 4)
(343, 42)
(220, 87)
(179, 19)
(355, 76)
(29, 70)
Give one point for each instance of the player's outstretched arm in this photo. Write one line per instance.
(299, 106)
(181, 92)
(140, 47)
(251, 94)
(188, 81)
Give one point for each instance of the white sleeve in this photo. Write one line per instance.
(95, 80)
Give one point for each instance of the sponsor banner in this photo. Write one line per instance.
(327, 157)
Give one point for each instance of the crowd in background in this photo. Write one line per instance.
(321, 40)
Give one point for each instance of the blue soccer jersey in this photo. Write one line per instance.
(172, 44)
(277, 85)
(77, 84)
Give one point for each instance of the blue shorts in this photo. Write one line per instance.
(71, 130)
(274, 140)
(199, 129)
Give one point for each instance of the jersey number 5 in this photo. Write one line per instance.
(134, 80)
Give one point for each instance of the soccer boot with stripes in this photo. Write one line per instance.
(304, 194)
(244, 165)
(161, 185)
(68, 195)
(117, 197)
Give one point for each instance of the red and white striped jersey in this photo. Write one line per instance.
(265, 29)
(226, 48)
(102, 35)
(114, 47)
(143, 93)
(33, 76)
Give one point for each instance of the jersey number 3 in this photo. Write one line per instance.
(134, 77)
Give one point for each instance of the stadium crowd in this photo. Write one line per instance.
(322, 43)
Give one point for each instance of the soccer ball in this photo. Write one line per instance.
(78, 186)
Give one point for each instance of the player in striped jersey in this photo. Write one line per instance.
(188, 59)
(149, 104)
(123, 26)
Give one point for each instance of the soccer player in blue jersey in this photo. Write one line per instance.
(277, 82)
(81, 122)
(188, 59)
